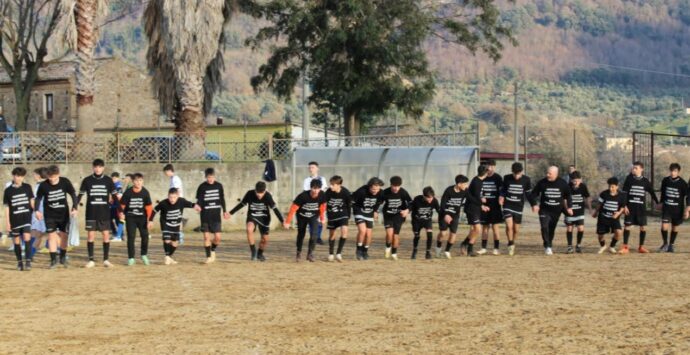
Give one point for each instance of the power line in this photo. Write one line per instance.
(642, 70)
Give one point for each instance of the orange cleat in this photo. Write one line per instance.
(642, 250)
(624, 250)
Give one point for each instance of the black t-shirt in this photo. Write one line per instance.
(136, 202)
(338, 204)
(579, 195)
(171, 214)
(610, 204)
(551, 195)
(393, 203)
(211, 199)
(308, 205)
(55, 205)
(514, 192)
(422, 210)
(98, 190)
(474, 196)
(18, 200)
(491, 187)
(258, 209)
(452, 201)
(673, 192)
(637, 188)
(364, 203)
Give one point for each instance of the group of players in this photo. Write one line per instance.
(488, 201)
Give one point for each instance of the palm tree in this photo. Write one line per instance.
(185, 56)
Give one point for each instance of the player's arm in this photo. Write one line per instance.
(40, 195)
(223, 205)
(650, 190)
(8, 226)
(528, 193)
(293, 209)
(73, 195)
(276, 211)
(244, 202)
(82, 191)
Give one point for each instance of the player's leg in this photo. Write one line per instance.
(207, 243)
(442, 234)
(553, 223)
(26, 233)
(131, 235)
(674, 235)
(510, 233)
(643, 235)
(106, 245)
(617, 235)
(580, 235)
(90, 240)
(302, 225)
(485, 236)
(144, 234)
(263, 243)
(495, 229)
(665, 226)
(361, 235)
(396, 237)
(389, 240)
(53, 240)
(331, 241)
(475, 232)
(341, 242)
(367, 240)
(17, 242)
(569, 235)
(167, 248)
(313, 235)
(416, 229)
(251, 227)
(602, 242)
(215, 240)
(429, 240)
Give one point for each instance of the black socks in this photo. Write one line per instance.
(673, 237)
(449, 245)
(18, 251)
(579, 237)
(331, 246)
(626, 236)
(643, 235)
(214, 246)
(664, 236)
(485, 242)
(429, 240)
(90, 248)
(341, 244)
(106, 251)
(208, 251)
(497, 243)
(252, 249)
(569, 238)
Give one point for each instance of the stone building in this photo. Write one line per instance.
(123, 98)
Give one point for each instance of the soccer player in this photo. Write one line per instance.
(338, 207)
(19, 204)
(310, 207)
(491, 219)
(100, 192)
(452, 201)
(260, 203)
(581, 199)
(137, 209)
(118, 225)
(314, 175)
(396, 204)
(52, 195)
(422, 210)
(611, 207)
(210, 196)
(636, 187)
(171, 221)
(175, 183)
(365, 205)
(673, 195)
(516, 188)
(38, 228)
(554, 196)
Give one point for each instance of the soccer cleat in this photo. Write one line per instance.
(331, 257)
(253, 257)
(359, 254)
(44, 250)
(394, 257)
(131, 262)
(310, 257)
(670, 249)
(298, 257)
(145, 260)
(116, 240)
(27, 265)
(107, 264)
(387, 253)
(642, 250)
(624, 250)
(511, 250)
(414, 254)
(602, 250)
(447, 255)
(20, 266)
(569, 250)
(174, 261)
(167, 260)
(463, 248)
(365, 254)
(482, 251)
(427, 255)
(339, 258)
(438, 252)
(64, 263)
(474, 254)
(496, 252)
(578, 249)
(663, 248)
(319, 241)
(53, 264)
(90, 264)
(213, 256)
(261, 258)
(548, 251)
(612, 250)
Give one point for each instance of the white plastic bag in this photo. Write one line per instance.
(73, 235)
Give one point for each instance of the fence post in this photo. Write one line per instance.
(524, 136)
(575, 148)
(270, 146)
(117, 146)
(220, 148)
(66, 148)
(651, 158)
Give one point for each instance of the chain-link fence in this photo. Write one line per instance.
(128, 147)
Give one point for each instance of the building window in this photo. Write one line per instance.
(49, 106)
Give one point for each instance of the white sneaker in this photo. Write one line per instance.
(387, 254)
(11, 248)
(213, 256)
(447, 254)
(602, 250)
(339, 257)
(167, 260)
(90, 264)
(438, 252)
(612, 250)
(209, 260)
(331, 257)
(548, 251)
(482, 251)
(107, 264)
(497, 252)
(511, 250)
(116, 240)
(174, 262)
(394, 257)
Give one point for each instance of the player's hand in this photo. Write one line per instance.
(448, 219)
(226, 215)
(376, 215)
(286, 225)
(149, 225)
(626, 210)
(197, 208)
(535, 209)
(686, 215)
(570, 211)
(39, 215)
(404, 213)
(73, 213)
(122, 216)
(483, 200)
(8, 228)
(616, 215)
(501, 200)
(3, 239)
(486, 208)
(595, 214)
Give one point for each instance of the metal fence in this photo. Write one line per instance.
(128, 147)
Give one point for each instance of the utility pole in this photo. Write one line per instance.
(305, 109)
(516, 132)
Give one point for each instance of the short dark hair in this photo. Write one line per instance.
(638, 163)
(19, 171)
(260, 187)
(42, 172)
(209, 171)
(428, 191)
(375, 181)
(313, 163)
(482, 170)
(115, 174)
(612, 181)
(396, 181)
(315, 183)
(490, 162)
(461, 179)
(674, 166)
(516, 168)
(98, 162)
(336, 179)
(169, 167)
(173, 190)
(130, 175)
(571, 166)
(52, 170)
(575, 175)
(137, 176)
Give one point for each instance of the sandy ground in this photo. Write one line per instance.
(528, 303)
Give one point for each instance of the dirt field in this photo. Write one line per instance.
(528, 303)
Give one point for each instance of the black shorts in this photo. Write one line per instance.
(674, 216)
(453, 226)
(516, 216)
(338, 223)
(54, 225)
(210, 227)
(473, 218)
(418, 225)
(637, 215)
(19, 231)
(393, 221)
(608, 226)
(574, 221)
(366, 220)
(494, 216)
(97, 226)
(172, 236)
